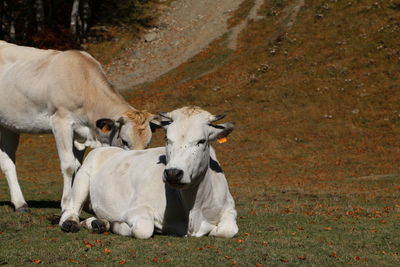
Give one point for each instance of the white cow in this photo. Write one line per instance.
(179, 189)
(66, 93)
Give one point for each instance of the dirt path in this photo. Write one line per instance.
(185, 28)
(238, 28)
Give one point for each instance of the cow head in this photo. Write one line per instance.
(131, 131)
(189, 131)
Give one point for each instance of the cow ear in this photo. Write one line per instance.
(219, 131)
(105, 125)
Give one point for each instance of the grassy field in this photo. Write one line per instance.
(313, 163)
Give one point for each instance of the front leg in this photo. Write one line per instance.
(139, 221)
(69, 221)
(227, 226)
(63, 134)
(96, 225)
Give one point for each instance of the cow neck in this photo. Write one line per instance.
(113, 110)
(194, 196)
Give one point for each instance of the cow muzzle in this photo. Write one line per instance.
(173, 176)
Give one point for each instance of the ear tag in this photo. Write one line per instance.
(105, 129)
(222, 140)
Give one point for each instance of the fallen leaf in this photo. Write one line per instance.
(154, 260)
(228, 257)
(301, 258)
(246, 234)
(327, 228)
(88, 244)
(37, 261)
(98, 241)
(373, 230)
(122, 262)
(107, 251)
(357, 258)
(233, 262)
(259, 264)
(284, 260)
(72, 260)
(240, 240)
(300, 228)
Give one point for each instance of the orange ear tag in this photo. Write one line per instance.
(222, 140)
(105, 129)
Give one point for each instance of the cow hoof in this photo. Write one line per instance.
(23, 209)
(70, 226)
(99, 226)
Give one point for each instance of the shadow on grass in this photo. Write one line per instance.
(36, 204)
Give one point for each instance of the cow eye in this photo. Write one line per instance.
(202, 141)
(124, 143)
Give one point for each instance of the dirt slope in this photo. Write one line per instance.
(185, 28)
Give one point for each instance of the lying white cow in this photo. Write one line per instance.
(179, 189)
(65, 93)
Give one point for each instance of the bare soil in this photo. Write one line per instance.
(185, 28)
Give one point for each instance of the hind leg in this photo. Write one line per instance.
(96, 225)
(8, 146)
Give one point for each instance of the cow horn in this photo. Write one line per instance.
(165, 115)
(214, 118)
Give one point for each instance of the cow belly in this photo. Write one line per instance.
(29, 122)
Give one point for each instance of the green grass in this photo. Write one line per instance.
(312, 164)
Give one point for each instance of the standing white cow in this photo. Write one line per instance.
(179, 189)
(65, 93)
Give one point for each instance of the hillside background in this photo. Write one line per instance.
(313, 164)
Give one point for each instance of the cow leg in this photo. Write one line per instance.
(63, 134)
(69, 221)
(78, 154)
(8, 146)
(121, 228)
(227, 226)
(141, 222)
(96, 225)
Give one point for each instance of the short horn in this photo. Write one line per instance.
(214, 118)
(165, 115)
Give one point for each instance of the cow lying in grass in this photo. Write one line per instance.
(179, 189)
(66, 93)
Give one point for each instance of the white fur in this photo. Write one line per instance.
(64, 93)
(127, 188)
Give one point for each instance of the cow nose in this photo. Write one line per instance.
(173, 175)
